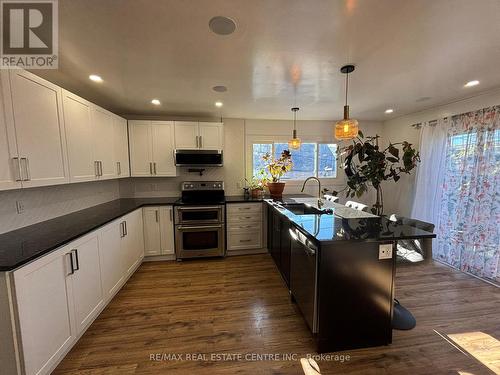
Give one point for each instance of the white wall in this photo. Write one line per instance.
(399, 197)
(48, 202)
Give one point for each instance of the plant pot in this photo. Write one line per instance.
(276, 189)
(256, 193)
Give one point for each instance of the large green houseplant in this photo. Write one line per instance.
(366, 165)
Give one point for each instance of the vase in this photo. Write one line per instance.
(256, 193)
(276, 189)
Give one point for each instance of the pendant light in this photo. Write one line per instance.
(294, 143)
(347, 128)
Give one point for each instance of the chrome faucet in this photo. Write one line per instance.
(320, 201)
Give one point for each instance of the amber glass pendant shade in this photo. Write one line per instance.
(347, 128)
(295, 142)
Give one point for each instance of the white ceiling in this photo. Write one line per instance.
(283, 53)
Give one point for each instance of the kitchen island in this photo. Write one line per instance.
(339, 265)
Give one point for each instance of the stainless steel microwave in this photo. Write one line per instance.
(198, 158)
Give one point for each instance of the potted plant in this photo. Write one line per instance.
(257, 184)
(366, 164)
(275, 169)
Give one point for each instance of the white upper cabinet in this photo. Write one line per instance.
(211, 135)
(103, 130)
(152, 148)
(121, 147)
(186, 135)
(141, 148)
(79, 138)
(10, 175)
(199, 135)
(34, 109)
(163, 148)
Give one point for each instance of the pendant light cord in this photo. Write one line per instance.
(346, 86)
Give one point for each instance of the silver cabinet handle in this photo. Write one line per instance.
(26, 169)
(118, 168)
(201, 141)
(244, 208)
(71, 264)
(197, 143)
(122, 229)
(77, 262)
(157, 218)
(150, 168)
(181, 227)
(100, 168)
(125, 228)
(154, 168)
(245, 240)
(19, 174)
(96, 171)
(170, 213)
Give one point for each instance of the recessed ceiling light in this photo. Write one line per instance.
(389, 110)
(221, 25)
(155, 102)
(219, 88)
(218, 104)
(95, 78)
(472, 83)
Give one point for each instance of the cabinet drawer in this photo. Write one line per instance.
(254, 217)
(245, 240)
(243, 208)
(246, 226)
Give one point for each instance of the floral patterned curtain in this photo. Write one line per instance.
(469, 211)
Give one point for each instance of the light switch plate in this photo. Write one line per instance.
(385, 251)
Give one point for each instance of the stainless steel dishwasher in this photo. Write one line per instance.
(303, 277)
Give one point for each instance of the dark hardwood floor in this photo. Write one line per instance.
(240, 305)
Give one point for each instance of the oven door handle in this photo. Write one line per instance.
(181, 227)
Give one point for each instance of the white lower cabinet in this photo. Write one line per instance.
(158, 230)
(45, 311)
(58, 296)
(244, 226)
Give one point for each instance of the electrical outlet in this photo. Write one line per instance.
(385, 251)
(20, 207)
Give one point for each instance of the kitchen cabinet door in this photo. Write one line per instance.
(45, 310)
(285, 246)
(79, 137)
(211, 135)
(141, 148)
(167, 230)
(10, 174)
(111, 259)
(133, 241)
(35, 111)
(186, 135)
(103, 134)
(163, 148)
(152, 241)
(87, 287)
(121, 147)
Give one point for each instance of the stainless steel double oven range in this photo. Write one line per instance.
(199, 220)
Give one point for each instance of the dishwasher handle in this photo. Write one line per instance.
(308, 246)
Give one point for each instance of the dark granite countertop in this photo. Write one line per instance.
(23, 245)
(334, 228)
(249, 199)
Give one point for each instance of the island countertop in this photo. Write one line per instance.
(346, 224)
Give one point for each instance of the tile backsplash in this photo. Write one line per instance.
(48, 202)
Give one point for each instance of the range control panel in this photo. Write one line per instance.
(202, 185)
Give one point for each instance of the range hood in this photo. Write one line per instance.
(198, 158)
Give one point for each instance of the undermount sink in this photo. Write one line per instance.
(304, 209)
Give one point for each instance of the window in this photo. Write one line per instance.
(312, 159)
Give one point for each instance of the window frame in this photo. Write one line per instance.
(256, 139)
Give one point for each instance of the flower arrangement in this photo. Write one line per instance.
(278, 167)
